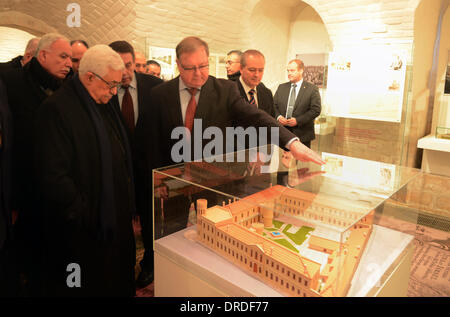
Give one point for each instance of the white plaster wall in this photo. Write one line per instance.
(308, 34)
(12, 42)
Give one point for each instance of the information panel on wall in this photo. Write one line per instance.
(366, 84)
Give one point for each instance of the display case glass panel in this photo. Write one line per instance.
(366, 106)
(300, 228)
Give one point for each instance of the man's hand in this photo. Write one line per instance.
(304, 154)
(282, 120)
(292, 122)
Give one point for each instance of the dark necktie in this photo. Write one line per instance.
(252, 100)
(128, 110)
(190, 111)
(291, 102)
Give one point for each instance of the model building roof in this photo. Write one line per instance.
(217, 214)
(320, 242)
(273, 250)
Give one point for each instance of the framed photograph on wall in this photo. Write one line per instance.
(166, 57)
(315, 68)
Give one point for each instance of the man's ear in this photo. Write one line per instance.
(42, 56)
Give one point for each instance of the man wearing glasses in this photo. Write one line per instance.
(85, 181)
(233, 64)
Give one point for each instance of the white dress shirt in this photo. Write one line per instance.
(247, 89)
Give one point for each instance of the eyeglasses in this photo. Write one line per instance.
(111, 85)
(194, 69)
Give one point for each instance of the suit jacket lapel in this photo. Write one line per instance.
(300, 95)
(285, 94)
(173, 103)
(140, 93)
(208, 95)
(242, 90)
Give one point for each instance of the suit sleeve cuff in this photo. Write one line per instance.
(288, 145)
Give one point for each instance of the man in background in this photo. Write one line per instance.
(141, 65)
(233, 64)
(297, 103)
(250, 86)
(20, 61)
(79, 47)
(132, 100)
(154, 68)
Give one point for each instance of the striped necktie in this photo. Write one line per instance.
(252, 100)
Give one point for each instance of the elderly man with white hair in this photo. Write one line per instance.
(85, 182)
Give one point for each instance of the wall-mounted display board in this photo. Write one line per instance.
(366, 84)
(366, 105)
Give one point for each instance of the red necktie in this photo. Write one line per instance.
(128, 110)
(190, 111)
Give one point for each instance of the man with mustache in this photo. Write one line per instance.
(26, 89)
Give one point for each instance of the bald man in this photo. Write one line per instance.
(78, 49)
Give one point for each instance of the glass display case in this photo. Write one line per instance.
(260, 223)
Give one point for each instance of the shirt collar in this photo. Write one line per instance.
(299, 83)
(133, 83)
(246, 88)
(183, 86)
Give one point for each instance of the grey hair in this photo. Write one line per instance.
(47, 40)
(32, 46)
(99, 59)
(247, 53)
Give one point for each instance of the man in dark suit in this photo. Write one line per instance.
(20, 61)
(196, 95)
(249, 83)
(132, 98)
(297, 103)
(83, 169)
(26, 89)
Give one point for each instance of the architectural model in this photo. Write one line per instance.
(289, 239)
